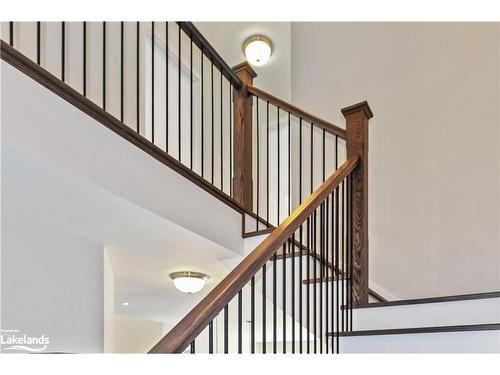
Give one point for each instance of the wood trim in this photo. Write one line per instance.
(417, 301)
(61, 89)
(406, 331)
(198, 318)
(357, 117)
(328, 126)
(242, 139)
(376, 295)
(197, 37)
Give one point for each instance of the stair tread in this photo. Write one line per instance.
(436, 329)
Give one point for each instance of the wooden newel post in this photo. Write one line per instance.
(357, 117)
(242, 137)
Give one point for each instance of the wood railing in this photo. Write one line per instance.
(259, 154)
(322, 206)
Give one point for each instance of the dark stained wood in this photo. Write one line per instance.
(210, 52)
(406, 331)
(416, 301)
(377, 296)
(257, 233)
(329, 127)
(198, 318)
(54, 84)
(357, 117)
(242, 138)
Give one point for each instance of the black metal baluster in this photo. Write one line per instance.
(284, 296)
(226, 329)
(342, 248)
(179, 95)
(252, 315)
(349, 179)
(230, 139)
(300, 289)
(321, 274)
(308, 284)
(103, 65)
(221, 138)
(38, 42)
(193, 349)
(212, 149)
(274, 304)
(333, 312)
(202, 155)
(258, 162)
(278, 173)
(137, 93)
(63, 51)
(191, 104)
(211, 337)
(292, 244)
(289, 169)
(327, 268)
(240, 323)
(264, 309)
(153, 82)
(121, 71)
(315, 282)
(84, 32)
(11, 33)
(267, 158)
(167, 89)
(337, 260)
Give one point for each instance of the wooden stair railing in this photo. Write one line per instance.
(186, 331)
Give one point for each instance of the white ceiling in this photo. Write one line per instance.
(144, 248)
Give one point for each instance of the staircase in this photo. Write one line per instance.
(299, 182)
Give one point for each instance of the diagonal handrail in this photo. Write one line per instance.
(202, 314)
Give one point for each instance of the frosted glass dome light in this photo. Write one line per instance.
(257, 50)
(189, 282)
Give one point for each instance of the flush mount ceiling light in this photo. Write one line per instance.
(257, 49)
(189, 282)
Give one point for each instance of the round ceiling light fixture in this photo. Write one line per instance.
(257, 49)
(189, 282)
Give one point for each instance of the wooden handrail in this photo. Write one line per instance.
(328, 126)
(198, 318)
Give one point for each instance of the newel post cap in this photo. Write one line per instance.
(362, 106)
(244, 68)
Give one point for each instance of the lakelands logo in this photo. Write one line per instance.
(13, 340)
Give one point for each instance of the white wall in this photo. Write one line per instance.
(51, 285)
(434, 143)
(132, 335)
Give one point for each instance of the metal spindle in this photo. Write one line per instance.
(300, 288)
(308, 288)
(167, 86)
(137, 93)
(103, 65)
(274, 305)
(264, 309)
(211, 337)
(193, 349)
(11, 33)
(252, 315)
(121, 71)
(240, 322)
(293, 290)
(231, 140)
(284, 295)
(258, 162)
(202, 154)
(267, 159)
(278, 173)
(38, 43)
(212, 112)
(191, 103)
(153, 82)
(315, 282)
(84, 79)
(221, 138)
(179, 94)
(63, 50)
(226, 329)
